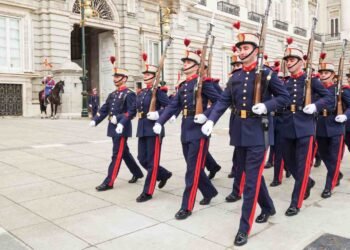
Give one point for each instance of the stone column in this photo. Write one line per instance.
(345, 17)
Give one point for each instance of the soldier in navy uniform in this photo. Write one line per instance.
(194, 143)
(248, 133)
(330, 129)
(347, 124)
(149, 143)
(298, 125)
(120, 108)
(94, 102)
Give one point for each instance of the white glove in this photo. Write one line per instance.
(341, 118)
(119, 128)
(310, 109)
(200, 119)
(157, 128)
(259, 109)
(207, 128)
(90, 105)
(92, 124)
(114, 120)
(153, 115)
(172, 119)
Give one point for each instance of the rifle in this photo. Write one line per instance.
(210, 56)
(198, 88)
(309, 61)
(340, 79)
(259, 69)
(155, 85)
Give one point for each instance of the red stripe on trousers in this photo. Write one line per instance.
(155, 166)
(241, 185)
(257, 189)
(307, 168)
(340, 152)
(280, 176)
(196, 176)
(118, 161)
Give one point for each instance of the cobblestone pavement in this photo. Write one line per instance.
(49, 168)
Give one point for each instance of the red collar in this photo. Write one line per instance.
(190, 78)
(327, 85)
(346, 86)
(208, 79)
(149, 86)
(249, 67)
(121, 88)
(297, 75)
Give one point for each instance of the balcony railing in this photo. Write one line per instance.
(280, 25)
(318, 37)
(228, 8)
(202, 2)
(332, 37)
(300, 31)
(256, 17)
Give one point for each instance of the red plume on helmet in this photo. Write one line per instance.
(323, 55)
(305, 57)
(144, 56)
(234, 49)
(237, 25)
(187, 42)
(112, 59)
(198, 52)
(266, 56)
(277, 63)
(289, 40)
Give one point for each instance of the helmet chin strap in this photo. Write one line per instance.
(294, 64)
(121, 79)
(242, 59)
(190, 67)
(325, 79)
(146, 80)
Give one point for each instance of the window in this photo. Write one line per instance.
(334, 27)
(131, 6)
(193, 25)
(278, 10)
(256, 6)
(229, 34)
(154, 52)
(10, 44)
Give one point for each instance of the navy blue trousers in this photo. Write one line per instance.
(239, 176)
(252, 161)
(210, 163)
(121, 152)
(298, 154)
(347, 139)
(149, 149)
(331, 150)
(278, 164)
(195, 153)
(94, 110)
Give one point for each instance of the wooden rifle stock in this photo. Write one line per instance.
(259, 71)
(152, 106)
(340, 80)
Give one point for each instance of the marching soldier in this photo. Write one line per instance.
(94, 102)
(248, 134)
(347, 124)
(149, 143)
(298, 127)
(194, 143)
(120, 108)
(330, 129)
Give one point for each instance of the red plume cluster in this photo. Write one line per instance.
(144, 56)
(198, 52)
(187, 42)
(323, 55)
(277, 63)
(112, 59)
(305, 57)
(237, 25)
(289, 40)
(234, 49)
(266, 56)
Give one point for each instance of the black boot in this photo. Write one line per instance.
(291, 211)
(143, 197)
(241, 239)
(263, 217)
(213, 172)
(230, 175)
(326, 193)
(308, 189)
(103, 187)
(232, 198)
(317, 162)
(340, 176)
(134, 179)
(275, 183)
(268, 165)
(182, 214)
(163, 182)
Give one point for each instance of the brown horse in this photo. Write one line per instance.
(55, 99)
(42, 104)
